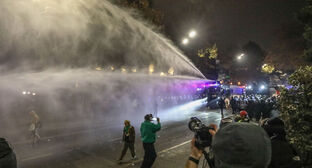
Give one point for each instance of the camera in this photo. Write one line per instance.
(203, 138)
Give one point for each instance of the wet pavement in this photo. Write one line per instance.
(91, 149)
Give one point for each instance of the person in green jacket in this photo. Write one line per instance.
(128, 137)
(148, 137)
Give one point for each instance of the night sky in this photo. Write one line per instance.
(231, 23)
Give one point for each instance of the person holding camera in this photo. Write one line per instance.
(236, 145)
(128, 138)
(148, 137)
(196, 153)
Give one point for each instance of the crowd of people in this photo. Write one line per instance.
(257, 106)
(237, 143)
(264, 142)
(247, 145)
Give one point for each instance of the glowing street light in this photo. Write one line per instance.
(185, 41)
(192, 34)
(123, 70)
(133, 70)
(171, 71)
(240, 56)
(151, 68)
(162, 74)
(262, 87)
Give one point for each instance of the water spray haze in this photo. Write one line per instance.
(84, 64)
(183, 110)
(36, 35)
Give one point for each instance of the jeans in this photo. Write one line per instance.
(149, 155)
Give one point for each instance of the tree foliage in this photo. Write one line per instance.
(267, 68)
(146, 8)
(210, 52)
(296, 110)
(306, 19)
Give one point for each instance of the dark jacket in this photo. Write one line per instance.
(7, 156)
(221, 103)
(131, 134)
(282, 152)
(282, 155)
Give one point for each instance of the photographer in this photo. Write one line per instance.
(196, 153)
(231, 144)
(148, 136)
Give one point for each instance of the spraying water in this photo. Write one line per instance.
(84, 63)
(41, 34)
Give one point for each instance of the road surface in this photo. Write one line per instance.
(94, 149)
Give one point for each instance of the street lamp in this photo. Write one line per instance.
(240, 56)
(192, 34)
(185, 41)
(262, 87)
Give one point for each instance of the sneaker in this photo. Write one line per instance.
(134, 158)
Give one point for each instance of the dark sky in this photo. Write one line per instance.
(229, 23)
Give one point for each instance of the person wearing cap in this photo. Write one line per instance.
(148, 137)
(128, 137)
(243, 117)
(232, 147)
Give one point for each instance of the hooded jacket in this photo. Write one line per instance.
(241, 145)
(7, 156)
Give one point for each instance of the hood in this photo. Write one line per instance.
(241, 145)
(4, 148)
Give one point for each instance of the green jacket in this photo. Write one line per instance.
(148, 131)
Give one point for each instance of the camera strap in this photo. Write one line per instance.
(193, 160)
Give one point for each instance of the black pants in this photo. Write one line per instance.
(149, 155)
(221, 109)
(125, 148)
